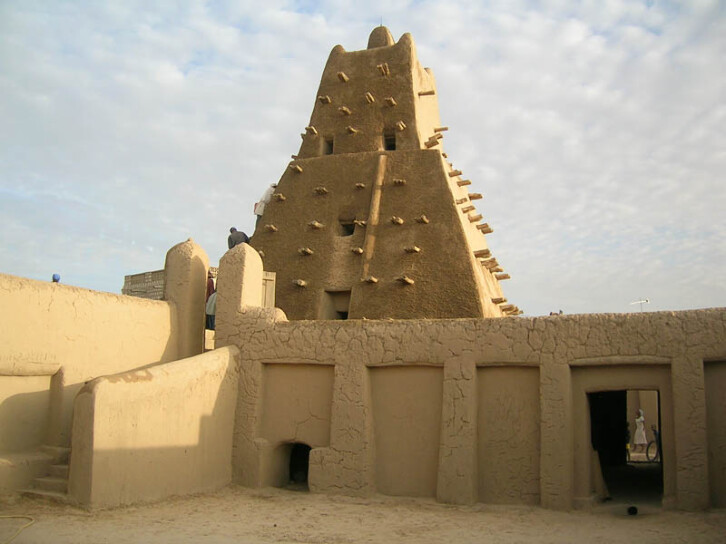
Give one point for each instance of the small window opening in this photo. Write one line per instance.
(347, 227)
(299, 465)
(389, 141)
(335, 305)
(328, 145)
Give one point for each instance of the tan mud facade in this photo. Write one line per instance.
(467, 410)
(369, 220)
(460, 408)
(54, 338)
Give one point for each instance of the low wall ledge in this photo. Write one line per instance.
(621, 360)
(28, 368)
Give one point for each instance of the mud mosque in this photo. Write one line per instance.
(383, 357)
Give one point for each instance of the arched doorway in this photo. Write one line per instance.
(298, 465)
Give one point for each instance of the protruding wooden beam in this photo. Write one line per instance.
(431, 143)
(499, 300)
(311, 130)
(427, 93)
(360, 185)
(360, 222)
(320, 190)
(383, 69)
(507, 307)
(279, 197)
(405, 280)
(475, 196)
(344, 110)
(485, 228)
(467, 209)
(412, 249)
(441, 129)
(475, 218)
(399, 181)
(316, 225)
(342, 77)
(270, 228)
(390, 101)
(370, 98)
(454, 173)
(262, 253)
(483, 253)
(396, 220)
(445, 155)
(463, 182)
(300, 283)
(324, 99)
(422, 219)
(501, 277)
(461, 200)
(296, 168)
(352, 130)
(357, 250)
(305, 251)
(401, 126)
(370, 279)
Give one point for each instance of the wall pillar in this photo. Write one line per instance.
(348, 465)
(458, 475)
(186, 287)
(689, 422)
(556, 454)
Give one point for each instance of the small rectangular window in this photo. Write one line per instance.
(389, 141)
(335, 305)
(328, 145)
(347, 227)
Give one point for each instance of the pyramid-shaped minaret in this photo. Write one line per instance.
(369, 220)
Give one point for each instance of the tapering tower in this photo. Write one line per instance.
(369, 220)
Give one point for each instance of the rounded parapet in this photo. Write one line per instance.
(380, 37)
(186, 282)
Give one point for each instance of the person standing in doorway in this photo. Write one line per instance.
(211, 310)
(640, 439)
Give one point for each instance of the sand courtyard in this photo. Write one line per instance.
(242, 515)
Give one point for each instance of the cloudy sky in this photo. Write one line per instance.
(595, 130)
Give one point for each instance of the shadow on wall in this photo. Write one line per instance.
(146, 435)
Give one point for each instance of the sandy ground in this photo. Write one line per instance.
(242, 515)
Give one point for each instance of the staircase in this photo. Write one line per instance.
(54, 485)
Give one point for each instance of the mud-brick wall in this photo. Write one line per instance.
(81, 334)
(470, 410)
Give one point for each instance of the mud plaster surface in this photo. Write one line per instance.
(241, 515)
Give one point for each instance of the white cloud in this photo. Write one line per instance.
(594, 130)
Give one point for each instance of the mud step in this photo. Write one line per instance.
(58, 471)
(48, 483)
(53, 496)
(59, 454)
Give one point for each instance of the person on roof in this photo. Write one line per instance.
(260, 206)
(237, 237)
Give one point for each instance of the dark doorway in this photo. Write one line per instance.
(299, 463)
(611, 436)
